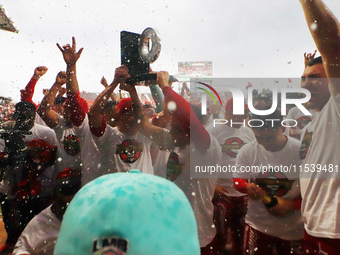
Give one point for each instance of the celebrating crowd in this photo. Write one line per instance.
(114, 178)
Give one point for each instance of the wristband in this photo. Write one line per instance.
(270, 201)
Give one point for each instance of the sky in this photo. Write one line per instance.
(242, 38)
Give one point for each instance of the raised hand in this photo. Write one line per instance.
(61, 78)
(163, 79)
(121, 74)
(103, 82)
(39, 71)
(309, 57)
(61, 92)
(69, 53)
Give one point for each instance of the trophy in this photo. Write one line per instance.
(138, 51)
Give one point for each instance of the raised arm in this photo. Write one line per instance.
(27, 93)
(113, 96)
(77, 105)
(96, 118)
(155, 133)
(50, 117)
(325, 29)
(184, 114)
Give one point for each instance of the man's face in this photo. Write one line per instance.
(127, 122)
(110, 113)
(315, 80)
(25, 120)
(269, 138)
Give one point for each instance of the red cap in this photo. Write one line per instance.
(38, 143)
(67, 172)
(82, 102)
(124, 105)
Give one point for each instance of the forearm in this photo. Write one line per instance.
(146, 128)
(45, 111)
(135, 99)
(114, 97)
(95, 114)
(283, 206)
(71, 79)
(27, 93)
(49, 98)
(157, 96)
(323, 26)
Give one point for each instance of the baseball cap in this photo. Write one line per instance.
(67, 182)
(124, 105)
(129, 213)
(173, 79)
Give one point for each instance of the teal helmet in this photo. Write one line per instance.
(129, 213)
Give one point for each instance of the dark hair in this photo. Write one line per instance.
(59, 100)
(315, 61)
(109, 104)
(24, 106)
(67, 182)
(266, 121)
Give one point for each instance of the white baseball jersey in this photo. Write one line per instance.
(231, 141)
(121, 153)
(69, 148)
(320, 188)
(40, 234)
(301, 119)
(199, 191)
(285, 185)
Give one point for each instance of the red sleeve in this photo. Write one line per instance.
(27, 93)
(240, 185)
(198, 134)
(78, 107)
(99, 131)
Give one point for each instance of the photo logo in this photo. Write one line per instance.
(204, 101)
(238, 100)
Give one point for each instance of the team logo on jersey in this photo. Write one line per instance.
(275, 183)
(173, 167)
(303, 121)
(232, 145)
(306, 141)
(71, 145)
(129, 150)
(110, 246)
